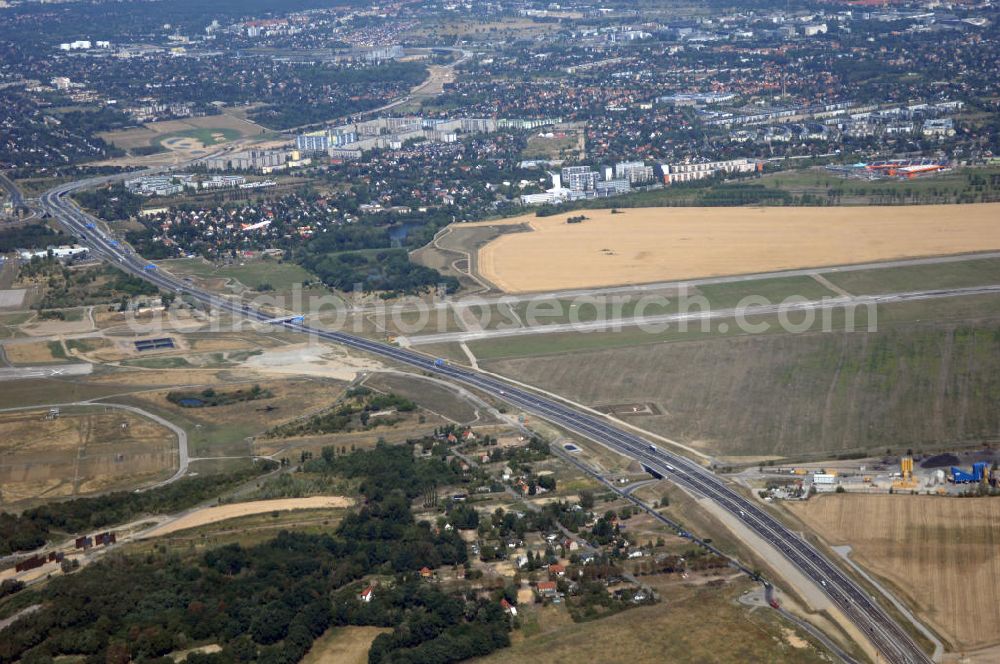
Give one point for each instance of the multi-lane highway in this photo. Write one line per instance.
(16, 198)
(892, 642)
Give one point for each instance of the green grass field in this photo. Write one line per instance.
(972, 272)
(84, 345)
(10, 323)
(567, 342)
(920, 277)
(969, 183)
(15, 318)
(720, 296)
(58, 350)
(773, 290)
(158, 363)
(38, 391)
(280, 276)
(551, 148)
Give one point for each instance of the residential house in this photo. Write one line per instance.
(508, 608)
(547, 588)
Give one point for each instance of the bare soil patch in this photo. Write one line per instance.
(45, 328)
(11, 298)
(222, 512)
(80, 453)
(311, 359)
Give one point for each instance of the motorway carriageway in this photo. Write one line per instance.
(893, 643)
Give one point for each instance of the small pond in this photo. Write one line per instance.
(191, 402)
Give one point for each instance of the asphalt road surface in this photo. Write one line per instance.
(663, 321)
(893, 643)
(16, 198)
(45, 371)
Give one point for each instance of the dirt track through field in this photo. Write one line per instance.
(223, 512)
(644, 245)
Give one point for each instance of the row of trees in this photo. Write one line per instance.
(30, 529)
(29, 236)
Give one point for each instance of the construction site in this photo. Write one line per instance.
(947, 474)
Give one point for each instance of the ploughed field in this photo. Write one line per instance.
(644, 245)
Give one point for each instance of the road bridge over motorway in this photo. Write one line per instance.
(891, 641)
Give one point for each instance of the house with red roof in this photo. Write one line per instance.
(547, 588)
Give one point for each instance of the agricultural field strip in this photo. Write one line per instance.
(656, 244)
(662, 319)
(948, 545)
(845, 553)
(691, 284)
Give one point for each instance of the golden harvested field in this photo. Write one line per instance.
(940, 555)
(643, 245)
(209, 515)
(80, 453)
